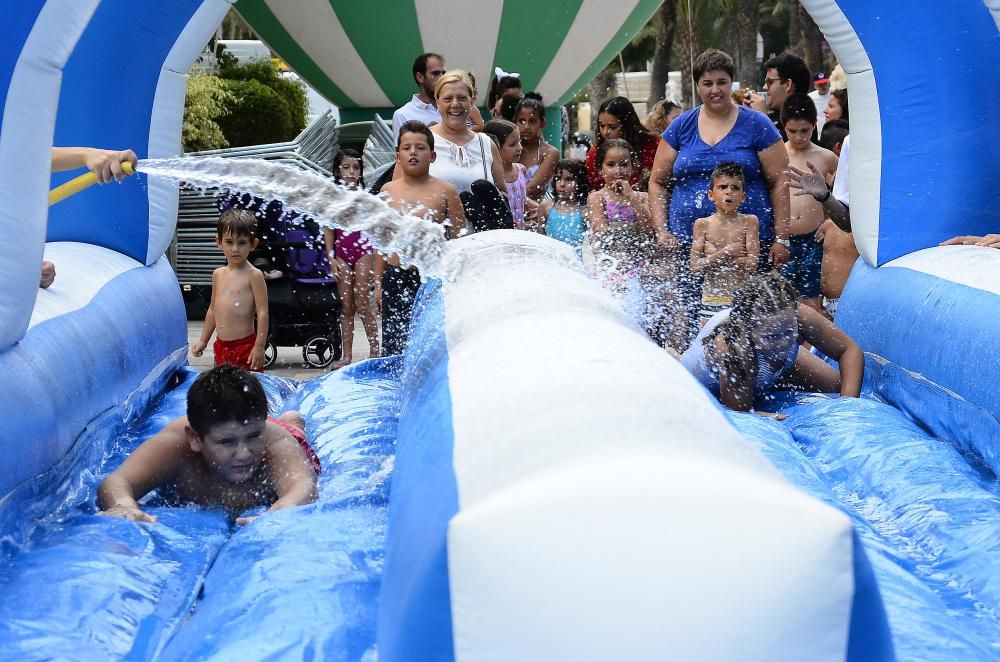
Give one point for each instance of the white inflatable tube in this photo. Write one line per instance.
(563, 489)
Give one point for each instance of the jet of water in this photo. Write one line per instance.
(419, 242)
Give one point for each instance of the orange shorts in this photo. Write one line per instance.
(235, 352)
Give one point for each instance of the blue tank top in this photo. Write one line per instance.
(753, 132)
(568, 227)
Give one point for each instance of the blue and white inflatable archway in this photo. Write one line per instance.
(87, 73)
(920, 79)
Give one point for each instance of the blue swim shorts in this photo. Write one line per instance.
(805, 262)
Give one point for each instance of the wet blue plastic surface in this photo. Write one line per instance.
(292, 585)
(927, 515)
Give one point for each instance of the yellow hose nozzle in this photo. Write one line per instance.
(77, 184)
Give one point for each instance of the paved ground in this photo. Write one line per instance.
(289, 364)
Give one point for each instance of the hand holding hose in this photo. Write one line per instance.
(108, 164)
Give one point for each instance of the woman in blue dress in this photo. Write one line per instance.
(699, 140)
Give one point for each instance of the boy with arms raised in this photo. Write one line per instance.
(417, 193)
(227, 452)
(805, 258)
(238, 294)
(726, 244)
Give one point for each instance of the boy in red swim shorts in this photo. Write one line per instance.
(238, 295)
(227, 452)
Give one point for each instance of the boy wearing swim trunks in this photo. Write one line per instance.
(805, 258)
(227, 452)
(238, 295)
(726, 245)
(419, 194)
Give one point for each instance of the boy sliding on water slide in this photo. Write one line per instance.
(417, 193)
(726, 245)
(238, 292)
(227, 452)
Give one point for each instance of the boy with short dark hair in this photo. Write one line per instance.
(805, 256)
(415, 192)
(238, 295)
(726, 245)
(227, 452)
(834, 133)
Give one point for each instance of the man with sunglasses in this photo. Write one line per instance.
(787, 74)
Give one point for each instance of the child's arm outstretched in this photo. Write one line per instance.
(153, 464)
(259, 290)
(824, 335)
(293, 476)
(209, 327)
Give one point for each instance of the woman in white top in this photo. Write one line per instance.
(463, 156)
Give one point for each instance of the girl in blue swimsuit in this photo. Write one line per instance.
(744, 352)
(565, 216)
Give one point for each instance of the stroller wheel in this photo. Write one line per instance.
(318, 351)
(270, 354)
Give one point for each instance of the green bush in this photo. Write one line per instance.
(206, 102)
(258, 115)
(263, 107)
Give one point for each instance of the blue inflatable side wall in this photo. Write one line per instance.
(124, 87)
(920, 129)
(114, 316)
(37, 39)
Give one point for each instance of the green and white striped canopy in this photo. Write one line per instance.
(359, 53)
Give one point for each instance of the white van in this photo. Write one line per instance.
(243, 49)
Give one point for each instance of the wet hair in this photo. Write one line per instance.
(415, 126)
(791, 67)
(760, 297)
(713, 60)
(338, 159)
(237, 222)
(499, 130)
(727, 169)
(578, 169)
(500, 87)
(453, 76)
(632, 129)
(224, 394)
(420, 64)
(532, 101)
(841, 96)
(834, 132)
(798, 107)
(508, 108)
(608, 145)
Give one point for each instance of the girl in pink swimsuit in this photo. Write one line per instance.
(352, 264)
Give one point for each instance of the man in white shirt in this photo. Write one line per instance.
(427, 68)
(820, 97)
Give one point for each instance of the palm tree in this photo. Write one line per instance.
(747, 26)
(688, 43)
(666, 27)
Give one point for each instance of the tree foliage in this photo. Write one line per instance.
(242, 104)
(206, 102)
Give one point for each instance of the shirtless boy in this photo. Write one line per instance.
(726, 244)
(238, 294)
(839, 256)
(798, 115)
(225, 453)
(414, 192)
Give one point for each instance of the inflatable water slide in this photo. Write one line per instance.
(532, 479)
